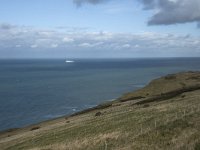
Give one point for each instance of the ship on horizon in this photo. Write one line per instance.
(69, 61)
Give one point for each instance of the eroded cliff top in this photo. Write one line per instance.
(172, 83)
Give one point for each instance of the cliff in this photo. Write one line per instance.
(163, 115)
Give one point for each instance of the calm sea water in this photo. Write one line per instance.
(36, 90)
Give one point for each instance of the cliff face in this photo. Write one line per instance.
(163, 115)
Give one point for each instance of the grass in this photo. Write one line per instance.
(197, 146)
(134, 127)
(173, 123)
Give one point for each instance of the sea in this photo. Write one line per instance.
(35, 90)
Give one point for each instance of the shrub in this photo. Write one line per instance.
(35, 128)
(98, 114)
(170, 77)
(146, 105)
(197, 146)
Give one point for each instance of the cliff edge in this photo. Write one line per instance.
(163, 115)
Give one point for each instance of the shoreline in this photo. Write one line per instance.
(168, 105)
(102, 105)
(105, 104)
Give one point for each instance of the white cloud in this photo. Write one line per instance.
(136, 46)
(126, 46)
(145, 43)
(85, 45)
(54, 45)
(18, 45)
(68, 39)
(34, 46)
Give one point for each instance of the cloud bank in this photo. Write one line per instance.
(165, 12)
(22, 41)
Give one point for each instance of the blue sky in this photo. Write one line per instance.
(112, 28)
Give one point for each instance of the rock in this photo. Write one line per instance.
(98, 114)
(34, 128)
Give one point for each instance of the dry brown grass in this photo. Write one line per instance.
(171, 124)
(81, 143)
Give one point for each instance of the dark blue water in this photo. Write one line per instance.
(35, 90)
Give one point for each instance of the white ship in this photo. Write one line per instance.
(69, 61)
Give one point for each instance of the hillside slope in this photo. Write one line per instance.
(163, 115)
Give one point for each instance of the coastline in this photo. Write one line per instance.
(160, 91)
(61, 87)
(108, 103)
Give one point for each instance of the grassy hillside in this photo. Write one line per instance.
(163, 115)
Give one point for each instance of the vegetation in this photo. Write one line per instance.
(172, 122)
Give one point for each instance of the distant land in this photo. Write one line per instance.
(163, 115)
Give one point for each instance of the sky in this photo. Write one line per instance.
(99, 28)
